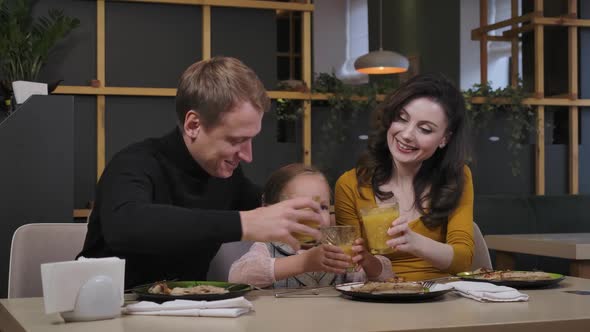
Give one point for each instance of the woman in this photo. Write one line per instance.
(416, 155)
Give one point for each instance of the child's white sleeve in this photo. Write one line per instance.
(256, 267)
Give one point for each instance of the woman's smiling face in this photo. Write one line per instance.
(417, 132)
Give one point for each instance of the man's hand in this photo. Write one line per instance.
(279, 221)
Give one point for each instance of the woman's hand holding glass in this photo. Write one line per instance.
(360, 253)
(364, 259)
(403, 237)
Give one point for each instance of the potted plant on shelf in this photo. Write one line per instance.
(519, 118)
(25, 43)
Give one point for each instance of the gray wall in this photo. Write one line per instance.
(149, 45)
(36, 181)
(429, 29)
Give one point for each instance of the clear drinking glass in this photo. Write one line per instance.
(341, 236)
(376, 221)
(305, 239)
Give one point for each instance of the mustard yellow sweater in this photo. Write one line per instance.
(459, 235)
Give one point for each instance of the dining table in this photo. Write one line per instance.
(574, 247)
(561, 307)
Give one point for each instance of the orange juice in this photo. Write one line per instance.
(347, 248)
(376, 222)
(304, 238)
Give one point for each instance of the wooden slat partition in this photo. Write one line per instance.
(234, 3)
(561, 21)
(102, 90)
(483, 42)
(476, 33)
(514, 43)
(540, 93)
(535, 22)
(206, 33)
(306, 70)
(100, 99)
(574, 164)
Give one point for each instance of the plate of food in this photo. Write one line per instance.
(516, 279)
(393, 291)
(190, 290)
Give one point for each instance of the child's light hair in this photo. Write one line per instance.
(279, 179)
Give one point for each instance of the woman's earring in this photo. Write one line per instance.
(442, 145)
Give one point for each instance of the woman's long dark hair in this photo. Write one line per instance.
(438, 185)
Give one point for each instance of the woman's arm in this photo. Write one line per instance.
(345, 200)
(460, 229)
(345, 207)
(453, 256)
(440, 255)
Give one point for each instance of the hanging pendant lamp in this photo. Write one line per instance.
(381, 62)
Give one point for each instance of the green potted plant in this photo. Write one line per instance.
(520, 118)
(25, 42)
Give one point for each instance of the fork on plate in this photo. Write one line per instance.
(428, 284)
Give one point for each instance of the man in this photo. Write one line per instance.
(167, 204)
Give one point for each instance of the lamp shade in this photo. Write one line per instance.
(381, 62)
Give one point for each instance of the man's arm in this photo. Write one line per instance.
(133, 223)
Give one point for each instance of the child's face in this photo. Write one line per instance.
(310, 185)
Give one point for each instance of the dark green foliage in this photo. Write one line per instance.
(25, 43)
(520, 118)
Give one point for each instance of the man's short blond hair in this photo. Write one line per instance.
(214, 86)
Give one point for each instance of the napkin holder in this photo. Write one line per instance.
(97, 299)
(84, 290)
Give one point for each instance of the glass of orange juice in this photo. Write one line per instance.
(342, 237)
(305, 239)
(376, 221)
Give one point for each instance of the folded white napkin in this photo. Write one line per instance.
(222, 308)
(486, 292)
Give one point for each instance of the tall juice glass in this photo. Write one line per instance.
(376, 221)
(305, 239)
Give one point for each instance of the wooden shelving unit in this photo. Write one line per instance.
(534, 23)
(103, 90)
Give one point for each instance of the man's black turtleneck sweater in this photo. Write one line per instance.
(160, 211)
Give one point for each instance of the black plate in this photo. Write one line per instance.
(434, 291)
(555, 278)
(235, 290)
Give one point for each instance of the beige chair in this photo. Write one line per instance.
(35, 244)
(481, 255)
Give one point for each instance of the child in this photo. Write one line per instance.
(276, 264)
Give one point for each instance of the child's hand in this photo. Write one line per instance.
(365, 259)
(326, 258)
